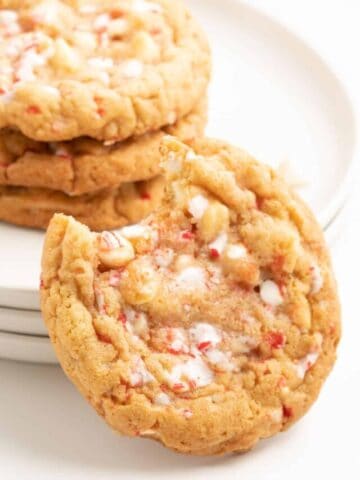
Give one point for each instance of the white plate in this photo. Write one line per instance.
(27, 322)
(271, 94)
(26, 348)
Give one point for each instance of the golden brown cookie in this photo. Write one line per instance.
(211, 324)
(85, 165)
(96, 68)
(129, 203)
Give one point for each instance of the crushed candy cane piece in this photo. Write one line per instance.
(140, 375)
(204, 333)
(194, 370)
(163, 258)
(218, 245)
(275, 339)
(220, 359)
(304, 364)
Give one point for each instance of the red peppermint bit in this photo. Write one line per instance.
(192, 384)
(178, 386)
(259, 202)
(101, 111)
(116, 13)
(278, 263)
(42, 285)
(187, 235)
(275, 339)
(287, 411)
(33, 110)
(282, 287)
(2, 91)
(282, 382)
(145, 196)
(122, 318)
(203, 345)
(103, 337)
(173, 351)
(214, 253)
(155, 31)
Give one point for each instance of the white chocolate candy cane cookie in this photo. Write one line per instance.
(209, 325)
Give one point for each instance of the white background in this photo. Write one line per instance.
(48, 432)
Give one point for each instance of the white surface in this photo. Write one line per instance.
(271, 94)
(48, 432)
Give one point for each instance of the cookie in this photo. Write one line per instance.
(208, 326)
(129, 203)
(104, 69)
(85, 165)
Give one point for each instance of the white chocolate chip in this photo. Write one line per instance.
(8, 16)
(115, 250)
(143, 6)
(101, 63)
(191, 278)
(235, 252)
(276, 415)
(317, 279)
(101, 22)
(173, 164)
(131, 68)
(191, 156)
(197, 206)
(162, 399)
(270, 293)
(136, 231)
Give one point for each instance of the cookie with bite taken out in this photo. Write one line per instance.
(211, 324)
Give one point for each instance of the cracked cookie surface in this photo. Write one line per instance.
(86, 165)
(72, 68)
(129, 203)
(209, 325)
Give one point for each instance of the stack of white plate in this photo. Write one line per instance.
(271, 94)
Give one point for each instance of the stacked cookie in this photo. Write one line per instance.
(87, 90)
